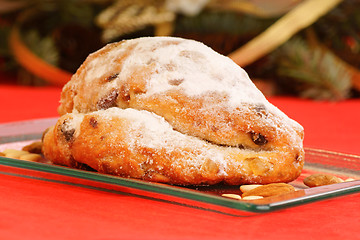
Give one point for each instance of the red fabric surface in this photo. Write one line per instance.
(328, 125)
(23, 103)
(44, 210)
(34, 209)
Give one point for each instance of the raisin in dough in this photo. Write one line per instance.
(226, 129)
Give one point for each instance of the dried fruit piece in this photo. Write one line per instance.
(175, 82)
(269, 190)
(67, 130)
(320, 179)
(112, 77)
(230, 195)
(258, 139)
(109, 100)
(93, 122)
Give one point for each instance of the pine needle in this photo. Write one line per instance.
(42, 47)
(321, 73)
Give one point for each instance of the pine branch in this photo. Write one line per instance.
(317, 70)
(222, 22)
(42, 47)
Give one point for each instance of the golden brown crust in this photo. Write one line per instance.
(180, 81)
(108, 146)
(233, 125)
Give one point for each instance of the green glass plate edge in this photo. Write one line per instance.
(160, 188)
(133, 183)
(174, 191)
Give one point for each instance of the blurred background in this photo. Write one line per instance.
(308, 49)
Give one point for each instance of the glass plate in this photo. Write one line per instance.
(18, 134)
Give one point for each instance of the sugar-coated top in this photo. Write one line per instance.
(163, 64)
(181, 95)
(182, 64)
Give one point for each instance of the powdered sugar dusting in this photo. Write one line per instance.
(199, 68)
(195, 68)
(188, 67)
(152, 131)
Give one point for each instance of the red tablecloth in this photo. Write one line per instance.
(34, 209)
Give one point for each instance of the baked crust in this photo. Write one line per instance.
(199, 93)
(139, 144)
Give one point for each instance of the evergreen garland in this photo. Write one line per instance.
(317, 72)
(307, 70)
(43, 47)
